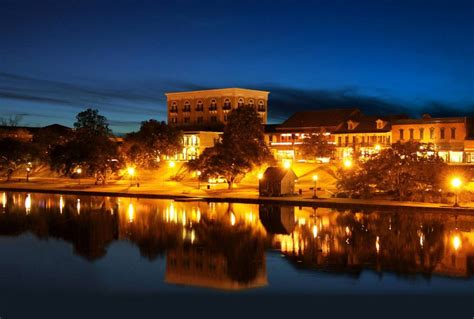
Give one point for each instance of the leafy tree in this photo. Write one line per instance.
(90, 148)
(317, 145)
(14, 152)
(241, 149)
(403, 170)
(153, 141)
(45, 139)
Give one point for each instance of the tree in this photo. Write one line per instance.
(153, 141)
(241, 149)
(317, 145)
(90, 148)
(403, 170)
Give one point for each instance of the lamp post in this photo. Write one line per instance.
(347, 163)
(79, 172)
(315, 181)
(456, 183)
(198, 174)
(28, 171)
(131, 173)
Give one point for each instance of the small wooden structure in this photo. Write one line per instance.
(277, 181)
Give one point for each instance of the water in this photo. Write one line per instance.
(108, 250)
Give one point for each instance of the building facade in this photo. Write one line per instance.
(451, 136)
(210, 108)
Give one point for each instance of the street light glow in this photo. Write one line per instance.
(171, 164)
(315, 178)
(131, 170)
(456, 242)
(377, 147)
(456, 182)
(79, 170)
(347, 163)
(287, 164)
(260, 176)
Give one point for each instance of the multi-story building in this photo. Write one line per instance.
(364, 135)
(210, 108)
(452, 136)
(285, 140)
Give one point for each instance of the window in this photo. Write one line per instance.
(347, 140)
(187, 106)
(227, 105)
(380, 124)
(339, 140)
(261, 106)
(240, 102)
(174, 107)
(422, 131)
(251, 103)
(453, 133)
(174, 120)
(199, 106)
(213, 105)
(363, 139)
(354, 140)
(412, 134)
(432, 133)
(401, 134)
(441, 133)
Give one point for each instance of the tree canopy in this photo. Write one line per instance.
(403, 170)
(317, 145)
(241, 148)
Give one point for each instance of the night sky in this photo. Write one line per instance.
(59, 57)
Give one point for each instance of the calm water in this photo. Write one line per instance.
(105, 249)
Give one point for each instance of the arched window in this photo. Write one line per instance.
(213, 105)
(227, 105)
(261, 106)
(240, 102)
(199, 106)
(174, 107)
(187, 106)
(252, 103)
(432, 132)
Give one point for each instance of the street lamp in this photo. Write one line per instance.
(79, 172)
(28, 171)
(456, 183)
(315, 181)
(377, 147)
(198, 174)
(347, 163)
(131, 173)
(171, 164)
(287, 164)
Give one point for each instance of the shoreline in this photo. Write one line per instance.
(342, 203)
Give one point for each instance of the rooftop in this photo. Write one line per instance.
(226, 91)
(318, 118)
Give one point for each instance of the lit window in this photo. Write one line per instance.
(199, 106)
(432, 132)
(441, 133)
(187, 106)
(453, 133)
(213, 106)
(240, 102)
(227, 105)
(261, 106)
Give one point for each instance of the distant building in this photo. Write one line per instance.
(285, 139)
(364, 135)
(26, 133)
(452, 136)
(195, 142)
(277, 181)
(210, 108)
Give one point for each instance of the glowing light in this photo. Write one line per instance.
(79, 170)
(347, 163)
(232, 219)
(198, 173)
(171, 164)
(377, 244)
(315, 178)
(61, 204)
(315, 231)
(287, 164)
(377, 147)
(131, 170)
(456, 242)
(28, 203)
(4, 200)
(183, 218)
(131, 213)
(78, 206)
(456, 182)
(260, 176)
(193, 236)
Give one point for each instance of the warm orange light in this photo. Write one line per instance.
(377, 147)
(232, 219)
(456, 242)
(456, 182)
(260, 175)
(131, 170)
(347, 163)
(287, 164)
(315, 178)
(171, 164)
(79, 170)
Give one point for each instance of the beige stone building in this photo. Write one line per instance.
(210, 108)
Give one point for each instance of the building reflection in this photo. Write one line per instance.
(222, 245)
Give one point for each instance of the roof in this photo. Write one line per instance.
(276, 173)
(227, 91)
(368, 124)
(431, 120)
(318, 118)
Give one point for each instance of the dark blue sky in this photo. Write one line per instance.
(59, 57)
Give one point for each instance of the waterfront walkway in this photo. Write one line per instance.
(216, 193)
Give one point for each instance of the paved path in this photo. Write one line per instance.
(242, 194)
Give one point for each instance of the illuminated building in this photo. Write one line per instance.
(452, 136)
(210, 108)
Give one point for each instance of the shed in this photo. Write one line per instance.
(277, 181)
(277, 219)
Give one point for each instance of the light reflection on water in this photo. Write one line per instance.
(226, 246)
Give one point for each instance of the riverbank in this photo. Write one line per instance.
(217, 193)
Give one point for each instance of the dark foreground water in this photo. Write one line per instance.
(80, 256)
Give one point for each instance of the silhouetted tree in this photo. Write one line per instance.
(317, 145)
